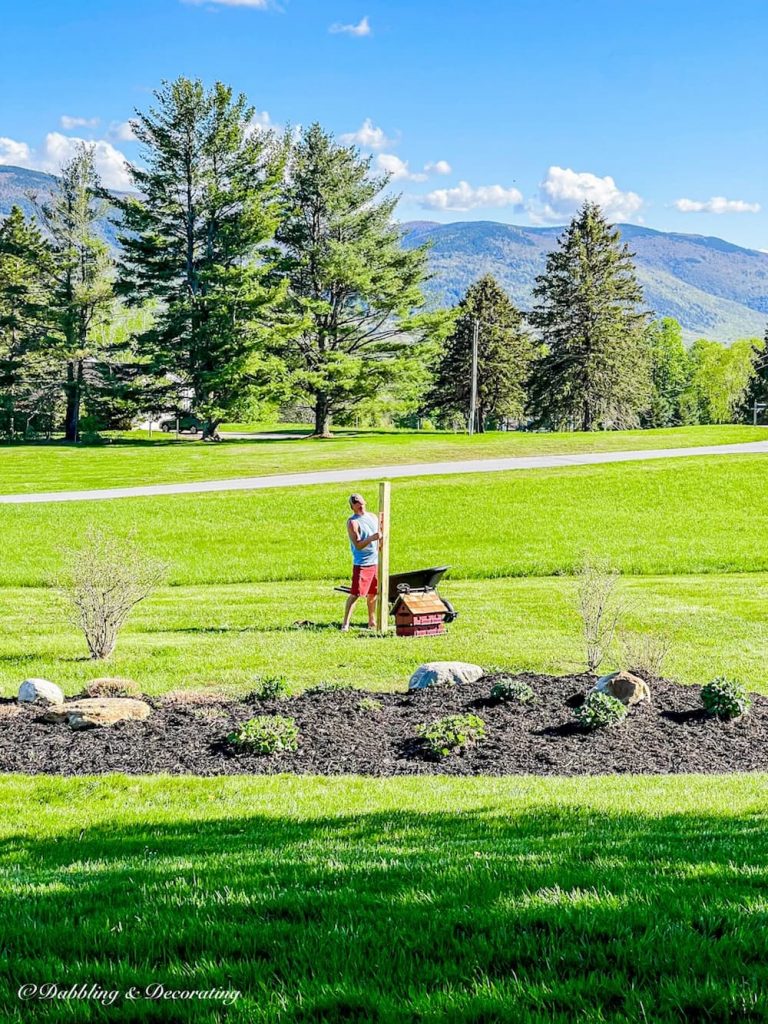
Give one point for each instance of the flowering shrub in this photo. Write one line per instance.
(600, 711)
(266, 734)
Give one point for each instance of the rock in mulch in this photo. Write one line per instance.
(341, 733)
(624, 686)
(95, 712)
(444, 673)
(32, 690)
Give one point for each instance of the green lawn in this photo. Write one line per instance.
(29, 468)
(388, 901)
(223, 636)
(683, 516)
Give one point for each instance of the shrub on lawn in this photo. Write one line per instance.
(269, 688)
(725, 698)
(112, 688)
(103, 580)
(507, 690)
(452, 734)
(600, 608)
(266, 734)
(600, 711)
(646, 653)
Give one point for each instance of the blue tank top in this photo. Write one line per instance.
(367, 525)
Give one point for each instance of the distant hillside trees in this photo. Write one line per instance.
(195, 239)
(354, 298)
(595, 369)
(81, 278)
(505, 353)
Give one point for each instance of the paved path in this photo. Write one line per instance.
(338, 476)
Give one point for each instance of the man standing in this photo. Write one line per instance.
(364, 535)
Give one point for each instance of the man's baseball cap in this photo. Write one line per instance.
(355, 498)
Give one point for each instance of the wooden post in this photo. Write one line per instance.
(382, 605)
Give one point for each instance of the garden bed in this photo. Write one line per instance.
(669, 734)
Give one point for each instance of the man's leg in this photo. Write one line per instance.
(351, 602)
(371, 598)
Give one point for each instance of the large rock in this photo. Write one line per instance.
(94, 712)
(627, 688)
(444, 673)
(40, 689)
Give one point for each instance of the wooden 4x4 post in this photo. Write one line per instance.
(382, 604)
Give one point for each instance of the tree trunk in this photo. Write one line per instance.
(586, 416)
(211, 431)
(73, 389)
(322, 417)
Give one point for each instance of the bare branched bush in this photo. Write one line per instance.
(646, 653)
(600, 607)
(103, 580)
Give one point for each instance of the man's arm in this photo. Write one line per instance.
(354, 535)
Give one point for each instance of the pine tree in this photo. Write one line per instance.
(194, 240)
(505, 352)
(25, 319)
(353, 290)
(82, 276)
(595, 370)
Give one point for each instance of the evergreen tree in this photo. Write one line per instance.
(82, 276)
(195, 239)
(353, 290)
(25, 267)
(594, 372)
(505, 352)
(670, 372)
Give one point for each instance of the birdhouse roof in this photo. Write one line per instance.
(420, 603)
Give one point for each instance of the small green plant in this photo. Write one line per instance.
(507, 690)
(452, 734)
(266, 734)
(327, 686)
(369, 704)
(600, 711)
(270, 688)
(725, 698)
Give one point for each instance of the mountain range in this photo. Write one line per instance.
(714, 288)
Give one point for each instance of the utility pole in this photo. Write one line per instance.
(473, 393)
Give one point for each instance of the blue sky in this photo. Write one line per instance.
(513, 111)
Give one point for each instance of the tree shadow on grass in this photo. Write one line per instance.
(549, 914)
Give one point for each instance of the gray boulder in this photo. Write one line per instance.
(444, 673)
(40, 689)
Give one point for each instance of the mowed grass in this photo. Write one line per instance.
(223, 637)
(682, 516)
(30, 468)
(388, 901)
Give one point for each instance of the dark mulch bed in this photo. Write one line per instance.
(669, 734)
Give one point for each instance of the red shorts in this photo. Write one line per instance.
(365, 580)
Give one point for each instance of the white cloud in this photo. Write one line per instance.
(362, 28)
(17, 154)
(564, 191)
(122, 131)
(260, 122)
(438, 167)
(397, 168)
(465, 197)
(717, 204)
(109, 162)
(68, 123)
(368, 136)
